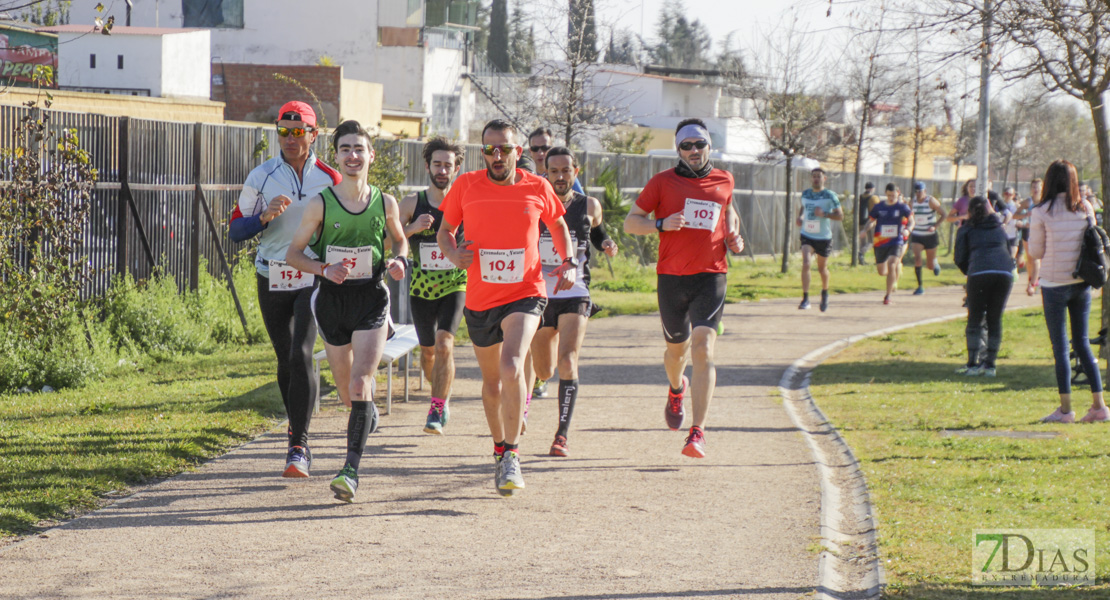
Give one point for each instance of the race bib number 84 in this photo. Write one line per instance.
(701, 214)
(433, 259)
(502, 266)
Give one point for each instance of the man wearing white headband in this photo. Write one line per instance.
(690, 207)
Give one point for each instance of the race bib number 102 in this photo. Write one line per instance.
(502, 266)
(701, 214)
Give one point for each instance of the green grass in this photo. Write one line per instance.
(892, 398)
(630, 289)
(64, 453)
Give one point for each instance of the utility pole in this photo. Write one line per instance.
(983, 139)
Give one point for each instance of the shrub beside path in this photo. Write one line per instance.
(625, 516)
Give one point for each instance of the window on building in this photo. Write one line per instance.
(942, 168)
(212, 13)
(92, 61)
(119, 61)
(445, 115)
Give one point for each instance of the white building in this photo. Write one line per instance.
(418, 56)
(660, 102)
(139, 61)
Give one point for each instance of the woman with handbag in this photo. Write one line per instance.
(982, 253)
(1056, 229)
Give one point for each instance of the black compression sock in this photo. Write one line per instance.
(568, 394)
(358, 427)
(511, 447)
(917, 271)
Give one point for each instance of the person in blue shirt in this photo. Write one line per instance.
(891, 221)
(819, 208)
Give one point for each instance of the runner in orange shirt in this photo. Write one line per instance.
(506, 295)
(691, 208)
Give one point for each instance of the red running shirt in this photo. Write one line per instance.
(503, 222)
(699, 247)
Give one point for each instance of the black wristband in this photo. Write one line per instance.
(404, 261)
(659, 224)
(598, 236)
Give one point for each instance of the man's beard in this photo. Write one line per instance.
(504, 174)
(446, 183)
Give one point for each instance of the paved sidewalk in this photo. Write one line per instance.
(625, 516)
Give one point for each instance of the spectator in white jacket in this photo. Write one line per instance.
(1056, 228)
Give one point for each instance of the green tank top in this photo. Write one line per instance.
(432, 283)
(352, 238)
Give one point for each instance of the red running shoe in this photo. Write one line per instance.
(695, 443)
(559, 447)
(673, 412)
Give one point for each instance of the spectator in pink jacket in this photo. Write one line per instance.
(1056, 228)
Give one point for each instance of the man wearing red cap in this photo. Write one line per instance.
(274, 197)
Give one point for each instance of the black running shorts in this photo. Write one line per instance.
(441, 314)
(341, 310)
(564, 306)
(688, 301)
(882, 253)
(928, 240)
(484, 326)
(821, 247)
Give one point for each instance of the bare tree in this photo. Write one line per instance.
(790, 107)
(871, 80)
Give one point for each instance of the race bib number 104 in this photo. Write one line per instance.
(502, 266)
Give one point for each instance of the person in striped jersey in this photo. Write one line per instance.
(927, 212)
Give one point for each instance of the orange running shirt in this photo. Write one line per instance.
(503, 222)
(699, 247)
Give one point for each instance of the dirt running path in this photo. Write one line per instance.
(626, 516)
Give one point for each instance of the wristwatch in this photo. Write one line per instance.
(572, 261)
(659, 224)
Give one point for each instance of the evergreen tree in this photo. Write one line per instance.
(582, 30)
(522, 41)
(682, 43)
(498, 44)
(622, 49)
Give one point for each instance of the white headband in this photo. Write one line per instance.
(692, 130)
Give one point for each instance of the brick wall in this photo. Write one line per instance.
(251, 93)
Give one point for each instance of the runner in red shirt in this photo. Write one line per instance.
(502, 207)
(691, 208)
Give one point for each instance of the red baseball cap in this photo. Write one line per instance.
(297, 111)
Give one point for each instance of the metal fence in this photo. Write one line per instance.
(166, 190)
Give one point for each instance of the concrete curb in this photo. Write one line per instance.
(849, 568)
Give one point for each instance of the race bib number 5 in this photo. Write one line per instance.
(433, 259)
(701, 214)
(359, 261)
(502, 266)
(284, 278)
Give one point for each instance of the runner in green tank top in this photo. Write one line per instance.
(437, 294)
(348, 223)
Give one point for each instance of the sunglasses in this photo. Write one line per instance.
(293, 131)
(539, 148)
(686, 146)
(489, 149)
